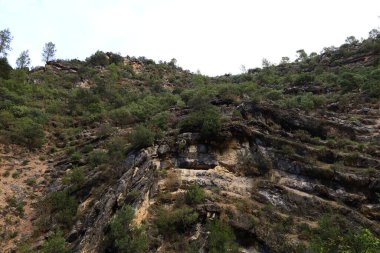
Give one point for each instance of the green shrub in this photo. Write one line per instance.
(116, 149)
(372, 86)
(288, 150)
(76, 156)
(141, 137)
(75, 177)
(16, 174)
(221, 238)
(274, 95)
(170, 223)
(87, 149)
(207, 122)
(56, 243)
(126, 237)
(253, 164)
(306, 102)
(329, 237)
(61, 207)
(161, 120)
(5, 68)
(17, 204)
(7, 120)
(30, 181)
(98, 157)
(122, 116)
(98, 59)
(28, 133)
(350, 81)
(25, 247)
(304, 79)
(194, 195)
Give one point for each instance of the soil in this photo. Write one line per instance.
(21, 180)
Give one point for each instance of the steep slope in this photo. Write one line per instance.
(133, 156)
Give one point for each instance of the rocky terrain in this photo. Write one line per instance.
(129, 155)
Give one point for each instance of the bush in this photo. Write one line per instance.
(5, 68)
(304, 79)
(98, 157)
(372, 86)
(56, 243)
(75, 177)
(207, 121)
(194, 195)
(122, 116)
(76, 156)
(170, 223)
(116, 149)
(62, 207)
(288, 150)
(161, 120)
(306, 102)
(28, 133)
(98, 59)
(221, 238)
(141, 137)
(126, 237)
(330, 237)
(350, 81)
(253, 164)
(17, 204)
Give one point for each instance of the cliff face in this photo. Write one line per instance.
(258, 162)
(258, 175)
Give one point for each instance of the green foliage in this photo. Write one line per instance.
(306, 101)
(194, 195)
(125, 236)
(170, 223)
(161, 120)
(30, 181)
(207, 121)
(5, 68)
(304, 79)
(117, 147)
(76, 156)
(98, 157)
(141, 137)
(199, 79)
(23, 61)
(28, 133)
(48, 52)
(61, 207)
(350, 81)
(75, 177)
(372, 86)
(102, 59)
(288, 150)
(221, 238)
(17, 204)
(253, 164)
(329, 237)
(55, 243)
(5, 41)
(122, 116)
(25, 247)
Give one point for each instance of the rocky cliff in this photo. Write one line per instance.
(258, 162)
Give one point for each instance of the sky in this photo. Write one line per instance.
(212, 36)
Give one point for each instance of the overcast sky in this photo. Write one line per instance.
(213, 36)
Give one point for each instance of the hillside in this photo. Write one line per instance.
(122, 154)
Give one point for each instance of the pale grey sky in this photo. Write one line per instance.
(213, 36)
